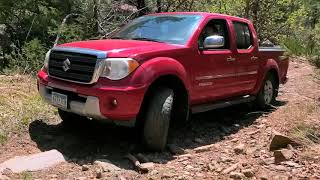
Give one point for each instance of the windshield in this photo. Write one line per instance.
(174, 29)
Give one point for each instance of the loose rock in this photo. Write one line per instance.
(85, 167)
(121, 178)
(230, 169)
(33, 162)
(263, 177)
(239, 149)
(282, 155)
(280, 141)
(81, 178)
(236, 175)
(292, 164)
(248, 173)
(98, 174)
(268, 161)
(281, 168)
(224, 159)
(106, 165)
(149, 166)
(253, 132)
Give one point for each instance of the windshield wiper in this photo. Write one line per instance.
(146, 39)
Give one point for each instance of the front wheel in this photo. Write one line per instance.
(157, 119)
(268, 92)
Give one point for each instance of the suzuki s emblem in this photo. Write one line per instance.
(66, 65)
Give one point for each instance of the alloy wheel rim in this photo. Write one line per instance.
(268, 92)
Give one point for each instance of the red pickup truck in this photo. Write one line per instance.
(158, 68)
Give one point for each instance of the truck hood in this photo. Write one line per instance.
(124, 48)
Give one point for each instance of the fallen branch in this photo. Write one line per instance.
(28, 34)
(62, 25)
(230, 169)
(203, 148)
(136, 163)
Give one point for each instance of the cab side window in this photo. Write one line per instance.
(243, 35)
(215, 27)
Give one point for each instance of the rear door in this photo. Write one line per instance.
(247, 56)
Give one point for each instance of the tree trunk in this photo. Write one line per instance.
(247, 9)
(141, 5)
(313, 22)
(96, 16)
(159, 4)
(255, 10)
(255, 15)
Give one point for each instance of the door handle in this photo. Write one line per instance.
(231, 59)
(253, 58)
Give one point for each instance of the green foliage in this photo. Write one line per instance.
(316, 60)
(3, 139)
(294, 46)
(30, 27)
(29, 58)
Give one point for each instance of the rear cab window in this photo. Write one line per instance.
(244, 39)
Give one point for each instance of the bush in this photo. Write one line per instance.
(294, 46)
(29, 59)
(316, 60)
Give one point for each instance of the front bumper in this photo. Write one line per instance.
(90, 107)
(96, 101)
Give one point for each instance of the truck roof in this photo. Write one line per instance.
(204, 14)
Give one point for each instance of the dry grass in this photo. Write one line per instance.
(20, 104)
(307, 135)
(26, 175)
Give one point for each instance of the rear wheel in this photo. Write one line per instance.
(69, 118)
(268, 92)
(157, 119)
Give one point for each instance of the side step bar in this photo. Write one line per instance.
(222, 104)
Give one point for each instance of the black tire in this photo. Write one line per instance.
(157, 119)
(69, 118)
(181, 112)
(264, 98)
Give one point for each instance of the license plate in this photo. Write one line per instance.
(60, 100)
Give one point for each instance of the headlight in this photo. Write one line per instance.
(46, 61)
(119, 68)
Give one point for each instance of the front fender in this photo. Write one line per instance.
(161, 66)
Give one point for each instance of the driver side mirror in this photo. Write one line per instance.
(212, 42)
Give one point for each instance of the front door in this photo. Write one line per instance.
(214, 74)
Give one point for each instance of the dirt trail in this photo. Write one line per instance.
(239, 137)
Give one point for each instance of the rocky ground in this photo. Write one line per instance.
(231, 143)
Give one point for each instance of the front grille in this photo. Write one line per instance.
(80, 67)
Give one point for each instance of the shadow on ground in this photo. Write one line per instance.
(85, 142)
